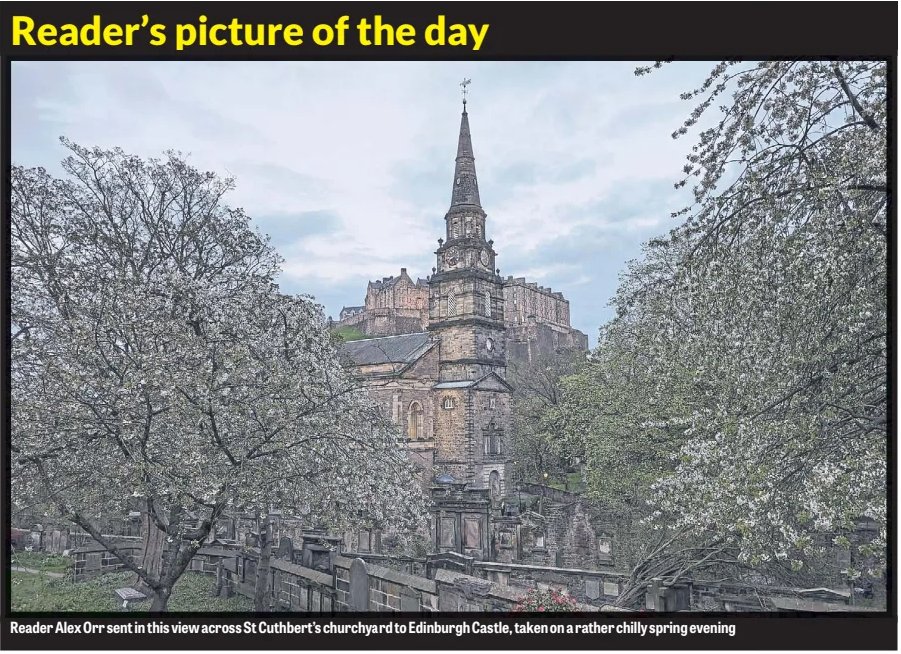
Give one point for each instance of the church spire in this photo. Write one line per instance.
(466, 185)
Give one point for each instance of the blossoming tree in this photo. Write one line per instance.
(743, 382)
(154, 360)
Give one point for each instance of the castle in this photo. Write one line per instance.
(439, 350)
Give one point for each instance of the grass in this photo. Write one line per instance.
(348, 333)
(34, 592)
(41, 561)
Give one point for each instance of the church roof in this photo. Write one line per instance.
(404, 348)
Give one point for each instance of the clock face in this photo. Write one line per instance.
(451, 257)
(484, 258)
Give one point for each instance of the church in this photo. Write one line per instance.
(438, 364)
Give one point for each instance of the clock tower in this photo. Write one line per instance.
(466, 315)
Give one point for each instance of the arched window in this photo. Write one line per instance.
(448, 402)
(414, 421)
(451, 304)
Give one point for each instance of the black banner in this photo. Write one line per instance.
(470, 30)
(453, 631)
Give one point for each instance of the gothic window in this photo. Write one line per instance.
(468, 225)
(451, 304)
(487, 304)
(414, 421)
(492, 437)
(455, 228)
(448, 403)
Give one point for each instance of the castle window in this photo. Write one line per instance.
(451, 304)
(448, 403)
(414, 421)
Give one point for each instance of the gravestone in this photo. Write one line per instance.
(285, 549)
(128, 595)
(592, 589)
(359, 586)
(55, 536)
(409, 601)
(611, 588)
(37, 537)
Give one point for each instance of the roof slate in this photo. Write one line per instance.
(405, 348)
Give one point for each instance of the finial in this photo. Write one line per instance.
(466, 82)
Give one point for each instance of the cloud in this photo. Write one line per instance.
(348, 165)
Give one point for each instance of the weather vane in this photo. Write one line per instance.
(466, 81)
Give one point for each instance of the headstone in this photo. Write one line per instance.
(611, 588)
(285, 549)
(37, 533)
(128, 595)
(592, 588)
(409, 601)
(359, 586)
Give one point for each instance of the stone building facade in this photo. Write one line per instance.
(537, 318)
(443, 379)
(393, 305)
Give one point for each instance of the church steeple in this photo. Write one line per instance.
(466, 184)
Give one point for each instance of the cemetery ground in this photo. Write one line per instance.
(49, 587)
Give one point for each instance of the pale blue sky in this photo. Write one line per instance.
(348, 166)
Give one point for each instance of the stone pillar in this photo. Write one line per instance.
(359, 586)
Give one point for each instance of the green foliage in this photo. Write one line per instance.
(32, 592)
(348, 333)
(538, 385)
(738, 400)
(42, 561)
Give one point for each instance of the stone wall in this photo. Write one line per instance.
(93, 559)
(456, 583)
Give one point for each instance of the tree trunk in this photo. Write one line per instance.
(154, 544)
(160, 599)
(261, 587)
